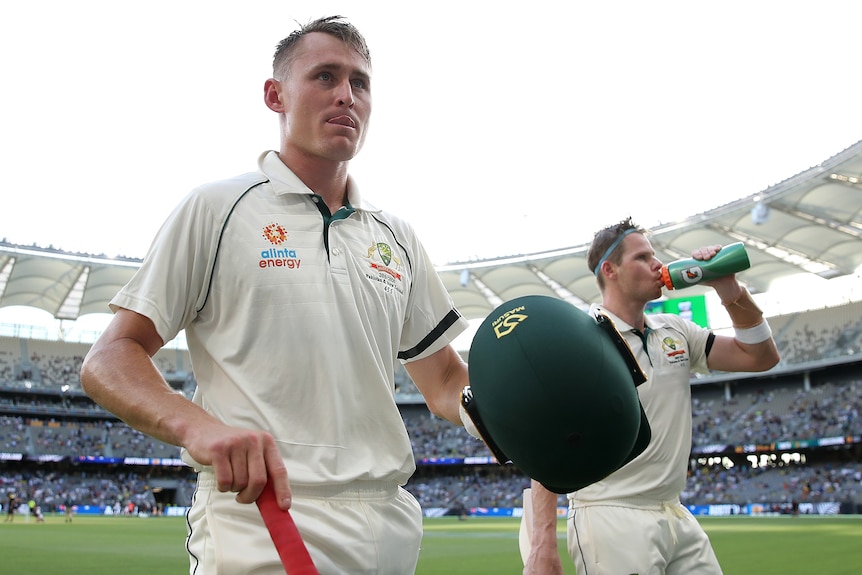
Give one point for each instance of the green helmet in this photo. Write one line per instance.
(553, 390)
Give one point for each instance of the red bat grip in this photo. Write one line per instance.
(288, 542)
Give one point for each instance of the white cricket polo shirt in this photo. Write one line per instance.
(293, 322)
(676, 347)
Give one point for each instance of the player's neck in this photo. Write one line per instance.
(629, 311)
(327, 178)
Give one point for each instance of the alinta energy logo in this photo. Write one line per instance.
(275, 233)
(277, 257)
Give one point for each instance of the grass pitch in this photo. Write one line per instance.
(477, 546)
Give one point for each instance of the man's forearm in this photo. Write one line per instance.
(121, 378)
(544, 518)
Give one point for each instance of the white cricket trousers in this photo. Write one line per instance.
(629, 537)
(365, 528)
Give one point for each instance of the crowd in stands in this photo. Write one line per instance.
(489, 486)
(788, 483)
(107, 438)
(433, 437)
(123, 491)
(824, 334)
(486, 486)
(780, 413)
(34, 365)
(44, 413)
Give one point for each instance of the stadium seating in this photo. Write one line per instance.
(814, 395)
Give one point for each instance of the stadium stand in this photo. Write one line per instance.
(790, 437)
(831, 332)
(788, 440)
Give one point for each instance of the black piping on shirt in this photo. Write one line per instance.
(447, 322)
(218, 244)
(435, 333)
(709, 341)
(397, 241)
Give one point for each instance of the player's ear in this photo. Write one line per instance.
(272, 95)
(607, 268)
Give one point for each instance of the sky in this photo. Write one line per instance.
(495, 130)
(498, 128)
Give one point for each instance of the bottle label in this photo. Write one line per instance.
(692, 275)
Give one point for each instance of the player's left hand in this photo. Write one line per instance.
(727, 287)
(706, 253)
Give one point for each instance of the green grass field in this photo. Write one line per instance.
(477, 546)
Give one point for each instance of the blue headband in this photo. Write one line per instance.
(611, 249)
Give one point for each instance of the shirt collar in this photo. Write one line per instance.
(284, 181)
(650, 320)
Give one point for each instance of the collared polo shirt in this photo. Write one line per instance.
(675, 347)
(295, 318)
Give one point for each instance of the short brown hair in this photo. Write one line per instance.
(336, 26)
(606, 243)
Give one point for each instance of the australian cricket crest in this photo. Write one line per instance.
(674, 350)
(385, 267)
(385, 252)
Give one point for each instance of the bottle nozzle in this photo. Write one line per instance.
(665, 278)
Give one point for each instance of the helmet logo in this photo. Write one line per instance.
(504, 324)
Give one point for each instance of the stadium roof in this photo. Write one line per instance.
(809, 223)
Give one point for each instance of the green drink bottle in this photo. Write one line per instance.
(679, 274)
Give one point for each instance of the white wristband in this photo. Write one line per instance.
(754, 335)
(467, 422)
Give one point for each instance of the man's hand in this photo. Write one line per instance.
(543, 564)
(119, 374)
(706, 252)
(242, 460)
(726, 287)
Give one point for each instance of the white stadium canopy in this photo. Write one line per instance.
(809, 223)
